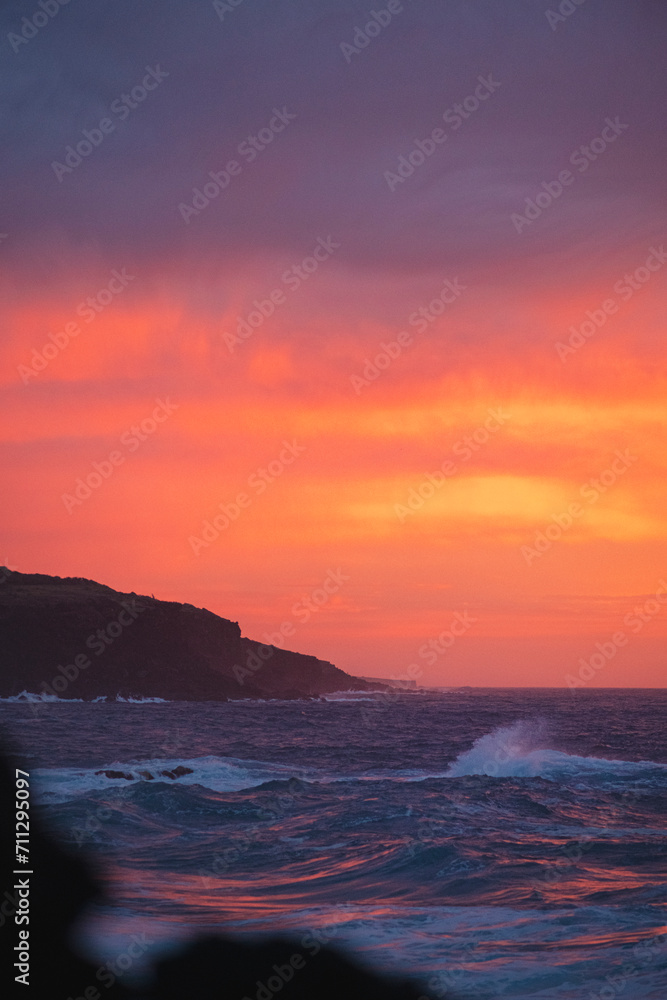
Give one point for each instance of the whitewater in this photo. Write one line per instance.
(493, 843)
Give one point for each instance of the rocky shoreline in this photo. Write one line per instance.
(74, 638)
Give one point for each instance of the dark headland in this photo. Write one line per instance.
(80, 639)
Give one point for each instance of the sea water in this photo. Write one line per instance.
(494, 843)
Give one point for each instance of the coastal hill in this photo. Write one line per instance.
(79, 639)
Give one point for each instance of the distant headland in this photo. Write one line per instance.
(75, 638)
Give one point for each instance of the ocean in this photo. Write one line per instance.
(493, 843)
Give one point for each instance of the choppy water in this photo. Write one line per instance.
(497, 843)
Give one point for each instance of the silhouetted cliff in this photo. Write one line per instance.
(79, 639)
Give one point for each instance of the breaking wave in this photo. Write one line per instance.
(518, 751)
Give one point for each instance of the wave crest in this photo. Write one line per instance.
(518, 751)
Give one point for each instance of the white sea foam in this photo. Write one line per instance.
(220, 774)
(510, 751)
(518, 751)
(30, 697)
(349, 696)
(141, 701)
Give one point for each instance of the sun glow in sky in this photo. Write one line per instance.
(324, 369)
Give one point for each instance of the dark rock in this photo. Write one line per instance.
(117, 774)
(146, 774)
(177, 772)
(164, 649)
(201, 969)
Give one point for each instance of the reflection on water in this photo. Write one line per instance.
(457, 837)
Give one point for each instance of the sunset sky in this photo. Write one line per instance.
(352, 193)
